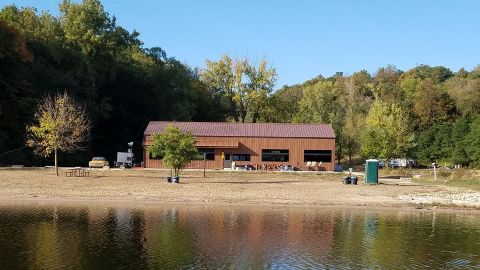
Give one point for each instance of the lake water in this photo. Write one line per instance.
(213, 237)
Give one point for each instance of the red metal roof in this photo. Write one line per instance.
(226, 129)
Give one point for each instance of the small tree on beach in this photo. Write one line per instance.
(59, 125)
(175, 147)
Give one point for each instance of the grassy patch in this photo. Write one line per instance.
(467, 183)
(464, 178)
(400, 172)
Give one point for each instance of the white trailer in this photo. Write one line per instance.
(124, 159)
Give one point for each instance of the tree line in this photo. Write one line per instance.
(104, 67)
(427, 113)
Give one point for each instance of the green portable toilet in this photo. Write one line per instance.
(371, 171)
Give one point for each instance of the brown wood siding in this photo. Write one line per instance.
(254, 146)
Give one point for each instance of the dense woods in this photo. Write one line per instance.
(427, 113)
(103, 66)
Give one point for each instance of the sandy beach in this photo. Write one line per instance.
(299, 189)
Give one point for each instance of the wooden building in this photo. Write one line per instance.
(265, 146)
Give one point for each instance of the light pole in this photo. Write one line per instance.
(131, 153)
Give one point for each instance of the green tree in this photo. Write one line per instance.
(409, 82)
(60, 125)
(243, 86)
(472, 141)
(15, 95)
(387, 132)
(219, 78)
(357, 101)
(466, 93)
(431, 104)
(322, 103)
(319, 103)
(460, 131)
(87, 26)
(435, 144)
(283, 105)
(386, 87)
(261, 80)
(177, 148)
(42, 26)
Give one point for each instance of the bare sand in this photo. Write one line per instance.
(221, 187)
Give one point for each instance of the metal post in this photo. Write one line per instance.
(131, 156)
(204, 163)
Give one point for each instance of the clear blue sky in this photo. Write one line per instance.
(303, 39)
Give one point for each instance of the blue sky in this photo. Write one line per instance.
(303, 39)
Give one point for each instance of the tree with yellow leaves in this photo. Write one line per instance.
(243, 86)
(387, 133)
(59, 125)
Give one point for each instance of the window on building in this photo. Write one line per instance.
(208, 151)
(156, 158)
(241, 157)
(318, 155)
(275, 155)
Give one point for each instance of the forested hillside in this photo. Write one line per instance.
(103, 66)
(427, 113)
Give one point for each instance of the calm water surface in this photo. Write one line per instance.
(210, 237)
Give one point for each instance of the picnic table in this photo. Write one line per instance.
(77, 172)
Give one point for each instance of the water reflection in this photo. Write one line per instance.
(166, 237)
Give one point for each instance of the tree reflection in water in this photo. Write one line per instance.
(190, 236)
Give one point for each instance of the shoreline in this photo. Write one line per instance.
(122, 203)
(225, 188)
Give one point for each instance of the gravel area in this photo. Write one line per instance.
(469, 199)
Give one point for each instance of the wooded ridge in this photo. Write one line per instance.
(426, 113)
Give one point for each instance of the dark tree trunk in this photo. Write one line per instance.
(255, 117)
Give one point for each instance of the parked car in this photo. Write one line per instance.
(381, 164)
(393, 164)
(402, 162)
(98, 162)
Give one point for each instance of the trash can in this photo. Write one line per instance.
(353, 180)
(371, 171)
